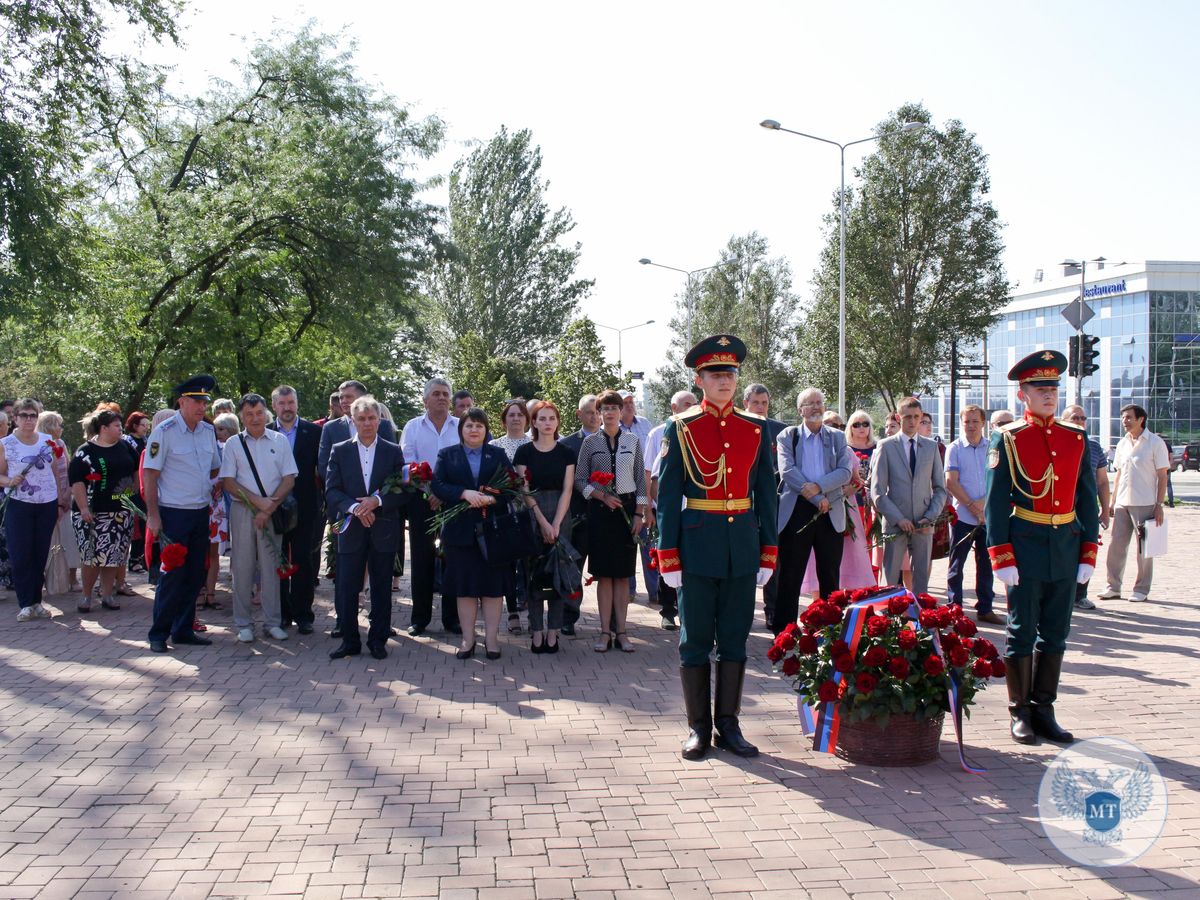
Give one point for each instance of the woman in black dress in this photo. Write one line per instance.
(612, 521)
(550, 469)
(458, 475)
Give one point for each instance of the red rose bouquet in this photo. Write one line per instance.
(901, 656)
(506, 484)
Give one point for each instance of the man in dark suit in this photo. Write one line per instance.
(757, 399)
(589, 420)
(357, 470)
(302, 543)
(342, 429)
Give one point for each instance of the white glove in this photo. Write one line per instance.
(1084, 575)
(1008, 575)
(672, 579)
(764, 575)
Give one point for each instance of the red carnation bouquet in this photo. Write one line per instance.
(895, 668)
(505, 484)
(414, 478)
(173, 554)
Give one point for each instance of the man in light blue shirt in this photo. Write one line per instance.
(966, 482)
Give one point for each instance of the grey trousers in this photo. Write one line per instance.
(1125, 521)
(251, 558)
(920, 547)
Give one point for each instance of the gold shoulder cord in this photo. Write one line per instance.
(695, 474)
(1015, 468)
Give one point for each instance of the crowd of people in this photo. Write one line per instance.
(173, 492)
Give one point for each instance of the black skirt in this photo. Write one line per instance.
(612, 552)
(467, 574)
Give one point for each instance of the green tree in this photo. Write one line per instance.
(509, 279)
(923, 264)
(264, 230)
(59, 85)
(576, 367)
(474, 369)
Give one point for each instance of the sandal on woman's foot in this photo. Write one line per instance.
(623, 645)
(125, 590)
(110, 603)
(84, 605)
(603, 643)
(514, 624)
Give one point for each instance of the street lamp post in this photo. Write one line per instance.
(772, 125)
(688, 284)
(621, 331)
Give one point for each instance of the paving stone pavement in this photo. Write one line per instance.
(266, 769)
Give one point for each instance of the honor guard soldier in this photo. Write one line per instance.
(717, 539)
(180, 462)
(1042, 527)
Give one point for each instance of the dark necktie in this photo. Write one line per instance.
(912, 456)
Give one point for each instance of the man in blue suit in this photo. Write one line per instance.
(813, 466)
(357, 470)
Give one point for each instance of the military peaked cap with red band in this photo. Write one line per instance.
(200, 387)
(1041, 369)
(719, 353)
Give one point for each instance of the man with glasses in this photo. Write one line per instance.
(1098, 461)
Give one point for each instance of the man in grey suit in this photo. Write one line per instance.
(909, 490)
(813, 466)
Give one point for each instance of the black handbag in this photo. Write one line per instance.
(508, 537)
(287, 513)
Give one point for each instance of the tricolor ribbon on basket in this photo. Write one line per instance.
(824, 724)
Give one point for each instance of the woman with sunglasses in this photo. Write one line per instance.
(35, 499)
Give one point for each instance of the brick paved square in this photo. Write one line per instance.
(269, 770)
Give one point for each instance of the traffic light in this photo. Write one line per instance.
(1073, 356)
(1088, 354)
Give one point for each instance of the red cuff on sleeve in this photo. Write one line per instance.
(1087, 553)
(668, 561)
(1002, 556)
(768, 557)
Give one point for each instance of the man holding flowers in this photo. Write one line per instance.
(717, 539)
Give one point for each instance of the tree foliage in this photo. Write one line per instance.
(59, 85)
(509, 279)
(267, 230)
(576, 367)
(923, 264)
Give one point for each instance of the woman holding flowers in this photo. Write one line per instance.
(460, 476)
(549, 467)
(515, 417)
(32, 503)
(611, 475)
(101, 471)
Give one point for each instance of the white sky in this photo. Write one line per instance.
(647, 115)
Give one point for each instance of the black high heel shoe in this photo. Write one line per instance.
(491, 654)
(537, 648)
(465, 654)
(550, 648)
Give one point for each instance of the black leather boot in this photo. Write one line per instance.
(727, 705)
(1047, 669)
(696, 681)
(1019, 675)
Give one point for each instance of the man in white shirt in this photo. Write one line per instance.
(421, 441)
(255, 548)
(1142, 463)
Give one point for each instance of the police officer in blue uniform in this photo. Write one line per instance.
(181, 460)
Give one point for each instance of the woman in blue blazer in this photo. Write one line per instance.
(458, 475)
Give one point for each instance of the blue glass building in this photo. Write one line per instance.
(1147, 316)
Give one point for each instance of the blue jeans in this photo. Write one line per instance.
(959, 548)
(28, 528)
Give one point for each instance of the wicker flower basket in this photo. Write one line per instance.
(904, 741)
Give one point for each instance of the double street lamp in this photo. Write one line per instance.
(772, 125)
(621, 331)
(688, 284)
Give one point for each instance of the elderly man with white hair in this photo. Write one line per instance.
(813, 467)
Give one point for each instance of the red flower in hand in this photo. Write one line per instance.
(604, 479)
(92, 476)
(934, 665)
(285, 574)
(55, 448)
(173, 556)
